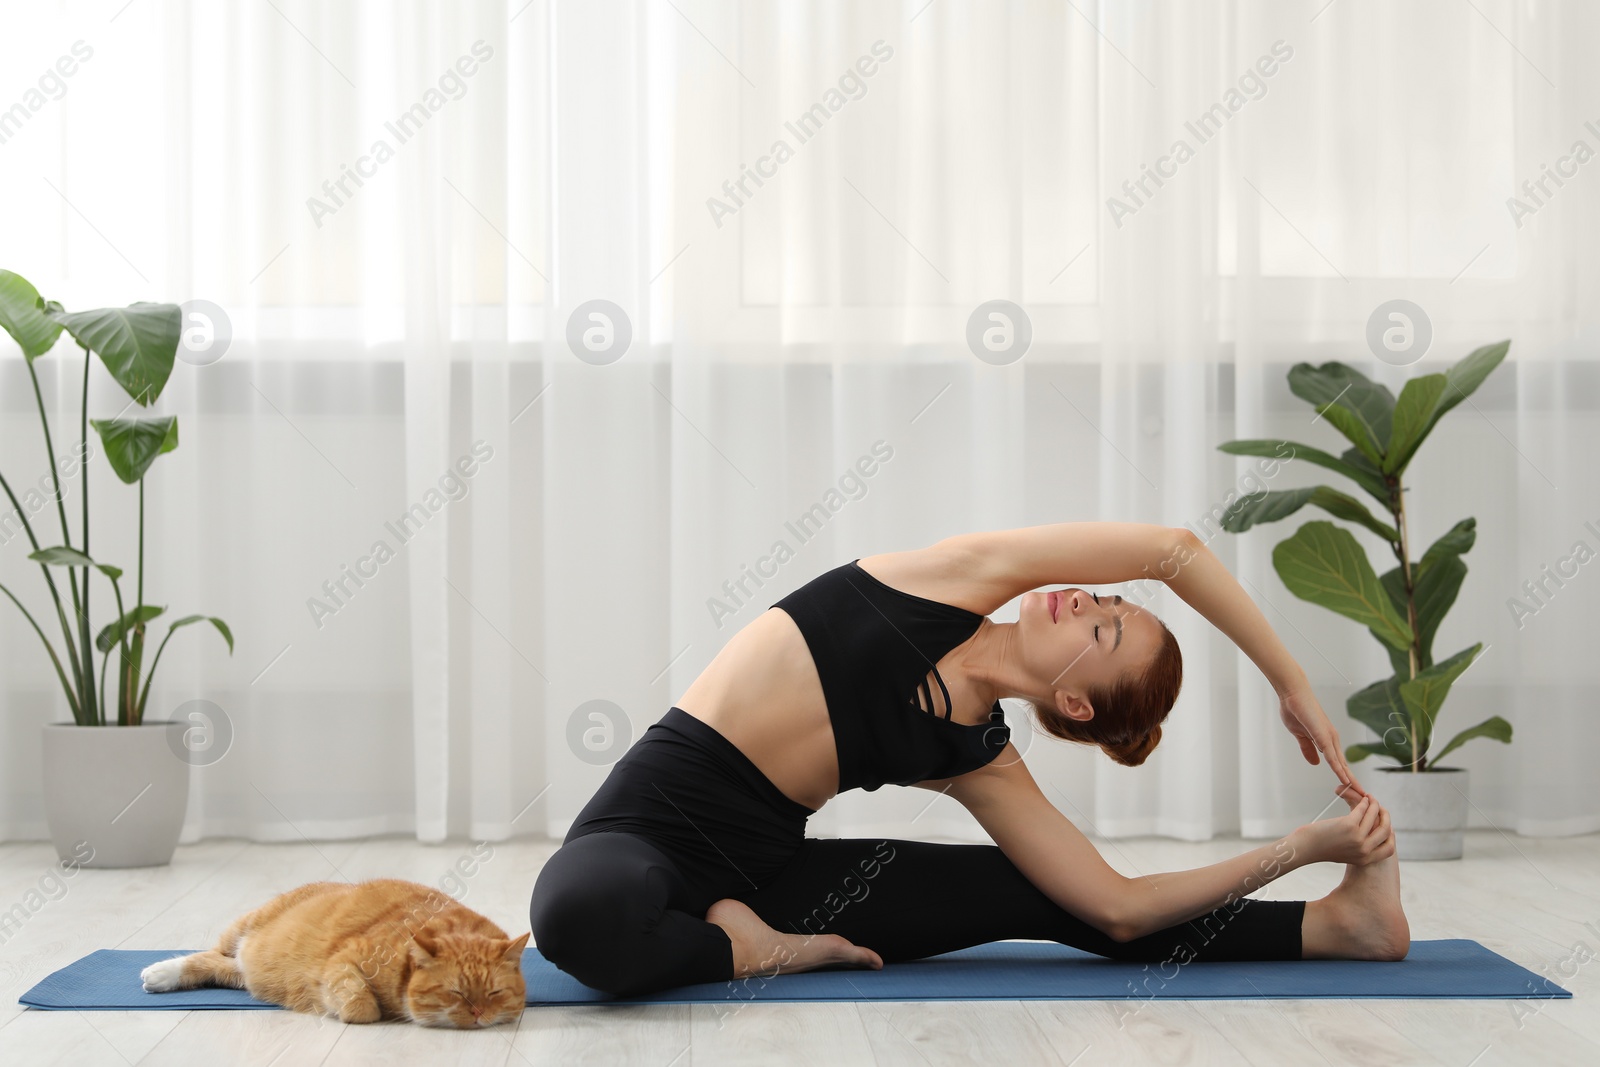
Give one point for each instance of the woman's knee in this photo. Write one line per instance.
(592, 903)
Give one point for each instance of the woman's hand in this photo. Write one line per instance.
(1363, 836)
(1306, 720)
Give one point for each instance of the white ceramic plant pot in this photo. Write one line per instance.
(114, 796)
(1427, 809)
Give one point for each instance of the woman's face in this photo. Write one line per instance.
(1073, 640)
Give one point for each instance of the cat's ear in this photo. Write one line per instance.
(514, 949)
(426, 944)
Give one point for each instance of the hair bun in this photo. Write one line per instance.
(1132, 753)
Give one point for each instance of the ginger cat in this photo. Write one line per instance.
(384, 949)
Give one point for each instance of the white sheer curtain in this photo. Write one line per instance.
(567, 541)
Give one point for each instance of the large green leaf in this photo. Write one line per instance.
(1424, 695)
(1434, 587)
(1453, 542)
(1435, 591)
(1351, 425)
(1275, 504)
(137, 344)
(1399, 658)
(22, 315)
(133, 444)
(113, 632)
(1369, 480)
(1344, 506)
(222, 627)
(1323, 563)
(63, 556)
(1361, 463)
(1494, 726)
(1413, 418)
(1466, 376)
(1380, 708)
(1370, 402)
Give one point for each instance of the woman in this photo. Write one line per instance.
(691, 863)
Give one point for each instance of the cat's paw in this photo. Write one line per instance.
(358, 1009)
(162, 976)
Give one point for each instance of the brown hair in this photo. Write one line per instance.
(1128, 713)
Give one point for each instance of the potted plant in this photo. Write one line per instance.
(1402, 608)
(116, 794)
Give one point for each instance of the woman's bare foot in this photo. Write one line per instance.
(759, 949)
(1361, 919)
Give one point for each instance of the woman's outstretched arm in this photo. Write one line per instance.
(1196, 575)
(1004, 564)
(1063, 864)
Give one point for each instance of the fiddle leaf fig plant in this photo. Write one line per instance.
(1324, 563)
(137, 345)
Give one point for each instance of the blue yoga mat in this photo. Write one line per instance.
(1005, 970)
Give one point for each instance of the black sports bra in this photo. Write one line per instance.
(873, 646)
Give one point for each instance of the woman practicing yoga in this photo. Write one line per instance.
(691, 863)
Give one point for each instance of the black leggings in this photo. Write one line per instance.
(686, 820)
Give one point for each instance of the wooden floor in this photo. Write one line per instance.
(1536, 901)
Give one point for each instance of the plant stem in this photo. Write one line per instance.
(104, 663)
(122, 672)
(61, 504)
(96, 714)
(125, 689)
(136, 706)
(48, 647)
(141, 542)
(150, 675)
(1413, 651)
(61, 613)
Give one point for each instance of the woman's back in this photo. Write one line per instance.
(761, 692)
(764, 693)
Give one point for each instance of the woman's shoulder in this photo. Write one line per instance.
(945, 573)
